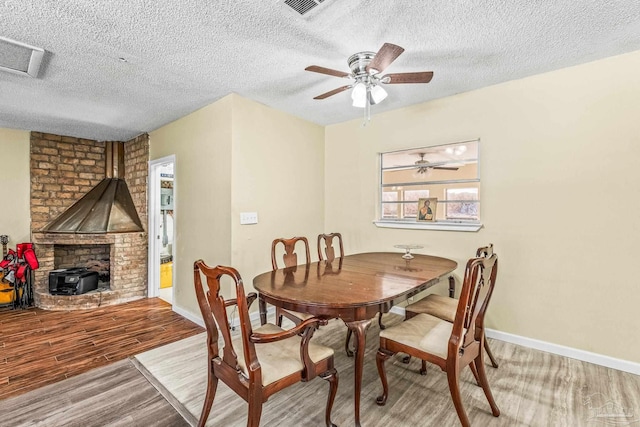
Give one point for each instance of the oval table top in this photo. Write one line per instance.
(358, 280)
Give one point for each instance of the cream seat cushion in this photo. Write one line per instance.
(281, 358)
(442, 307)
(301, 316)
(423, 332)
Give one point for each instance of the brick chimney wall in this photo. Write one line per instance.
(63, 169)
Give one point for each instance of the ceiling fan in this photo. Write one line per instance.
(424, 166)
(366, 69)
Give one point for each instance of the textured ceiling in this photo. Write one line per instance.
(178, 56)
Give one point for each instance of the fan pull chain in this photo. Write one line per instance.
(367, 107)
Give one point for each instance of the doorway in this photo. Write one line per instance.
(161, 223)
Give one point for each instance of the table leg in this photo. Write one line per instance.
(452, 287)
(359, 329)
(262, 307)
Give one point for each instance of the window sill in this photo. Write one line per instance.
(439, 225)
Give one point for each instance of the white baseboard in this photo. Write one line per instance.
(188, 315)
(561, 350)
(235, 321)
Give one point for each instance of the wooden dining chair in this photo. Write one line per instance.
(290, 259)
(445, 308)
(259, 362)
(451, 346)
(326, 251)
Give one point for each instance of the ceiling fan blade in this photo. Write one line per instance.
(332, 92)
(421, 77)
(385, 56)
(445, 168)
(329, 71)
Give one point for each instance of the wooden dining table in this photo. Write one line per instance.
(354, 288)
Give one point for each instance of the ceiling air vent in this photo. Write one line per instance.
(20, 58)
(303, 6)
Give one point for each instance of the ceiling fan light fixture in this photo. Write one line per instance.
(359, 91)
(458, 151)
(366, 68)
(378, 94)
(422, 172)
(359, 95)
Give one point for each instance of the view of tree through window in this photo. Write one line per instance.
(467, 207)
(390, 204)
(447, 172)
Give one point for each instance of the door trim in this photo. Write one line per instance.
(153, 268)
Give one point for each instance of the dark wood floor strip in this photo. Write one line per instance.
(39, 347)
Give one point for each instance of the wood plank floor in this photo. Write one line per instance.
(531, 388)
(40, 347)
(113, 395)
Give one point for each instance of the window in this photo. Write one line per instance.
(390, 204)
(462, 203)
(410, 210)
(447, 172)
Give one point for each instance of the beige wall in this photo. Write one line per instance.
(14, 175)
(278, 164)
(201, 143)
(236, 156)
(560, 187)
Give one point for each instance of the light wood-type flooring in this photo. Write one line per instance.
(39, 347)
(532, 388)
(116, 395)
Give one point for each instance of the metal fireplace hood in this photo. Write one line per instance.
(107, 208)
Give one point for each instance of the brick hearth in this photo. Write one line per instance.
(63, 169)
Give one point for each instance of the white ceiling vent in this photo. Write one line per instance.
(303, 7)
(20, 58)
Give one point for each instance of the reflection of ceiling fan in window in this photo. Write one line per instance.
(424, 166)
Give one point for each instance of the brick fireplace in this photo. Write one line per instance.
(63, 169)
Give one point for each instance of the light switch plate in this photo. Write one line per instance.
(248, 218)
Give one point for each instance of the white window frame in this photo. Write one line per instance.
(440, 224)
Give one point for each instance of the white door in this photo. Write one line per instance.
(162, 233)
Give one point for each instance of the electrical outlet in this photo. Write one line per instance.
(248, 218)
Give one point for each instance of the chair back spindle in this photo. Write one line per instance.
(213, 307)
(290, 257)
(329, 250)
(478, 284)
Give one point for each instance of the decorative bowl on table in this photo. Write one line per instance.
(407, 248)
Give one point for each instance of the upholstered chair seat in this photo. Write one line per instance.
(279, 359)
(442, 307)
(424, 332)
